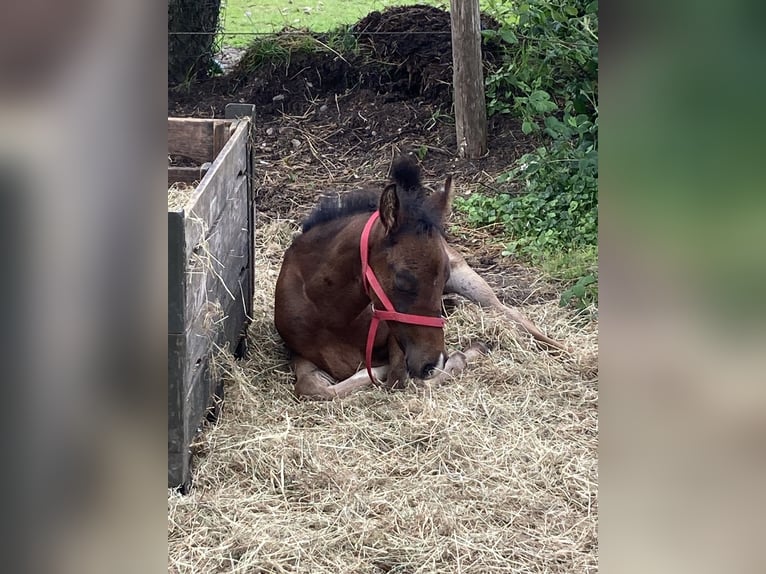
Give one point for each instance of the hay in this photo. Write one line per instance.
(179, 195)
(494, 472)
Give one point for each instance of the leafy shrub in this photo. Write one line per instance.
(548, 201)
(551, 55)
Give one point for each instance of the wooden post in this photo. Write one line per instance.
(468, 79)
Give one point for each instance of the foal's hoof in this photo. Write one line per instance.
(553, 348)
(476, 350)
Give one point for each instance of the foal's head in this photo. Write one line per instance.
(411, 263)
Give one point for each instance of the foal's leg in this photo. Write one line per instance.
(456, 364)
(313, 383)
(466, 282)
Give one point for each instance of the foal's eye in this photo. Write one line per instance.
(405, 282)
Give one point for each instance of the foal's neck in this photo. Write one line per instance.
(343, 260)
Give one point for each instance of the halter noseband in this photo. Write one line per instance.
(390, 314)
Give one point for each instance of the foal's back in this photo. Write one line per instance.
(320, 311)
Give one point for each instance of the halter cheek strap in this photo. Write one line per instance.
(390, 314)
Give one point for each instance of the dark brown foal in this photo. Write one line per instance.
(360, 291)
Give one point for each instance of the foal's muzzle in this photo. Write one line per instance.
(428, 370)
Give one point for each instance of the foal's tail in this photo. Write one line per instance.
(406, 172)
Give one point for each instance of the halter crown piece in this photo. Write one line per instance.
(390, 314)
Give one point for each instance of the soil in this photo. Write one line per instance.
(328, 123)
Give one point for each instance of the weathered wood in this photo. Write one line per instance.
(468, 79)
(239, 314)
(210, 287)
(247, 111)
(188, 175)
(208, 200)
(248, 282)
(220, 136)
(201, 334)
(176, 272)
(235, 111)
(178, 442)
(217, 262)
(194, 138)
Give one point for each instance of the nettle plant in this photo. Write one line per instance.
(548, 199)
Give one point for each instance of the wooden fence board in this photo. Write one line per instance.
(188, 175)
(176, 272)
(178, 440)
(208, 200)
(197, 139)
(217, 261)
(210, 276)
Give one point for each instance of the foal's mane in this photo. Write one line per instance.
(406, 175)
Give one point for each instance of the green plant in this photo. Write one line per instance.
(578, 294)
(548, 199)
(551, 48)
(274, 50)
(436, 117)
(342, 40)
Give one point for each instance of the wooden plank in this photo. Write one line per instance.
(249, 282)
(239, 314)
(200, 325)
(200, 385)
(197, 384)
(220, 136)
(248, 285)
(191, 137)
(188, 175)
(178, 442)
(208, 200)
(199, 337)
(176, 272)
(195, 138)
(213, 271)
(468, 79)
(235, 111)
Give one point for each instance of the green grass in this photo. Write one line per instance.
(242, 17)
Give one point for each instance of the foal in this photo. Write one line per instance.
(363, 284)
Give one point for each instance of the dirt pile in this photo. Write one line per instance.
(416, 43)
(404, 52)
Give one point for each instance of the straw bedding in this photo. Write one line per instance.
(179, 195)
(494, 472)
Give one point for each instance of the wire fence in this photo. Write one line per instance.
(288, 33)
(197, 31)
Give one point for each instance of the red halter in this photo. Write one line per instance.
(390, 314)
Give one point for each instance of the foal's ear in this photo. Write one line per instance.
(389, 207)
(442, 200)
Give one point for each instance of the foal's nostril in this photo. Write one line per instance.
(431, 369)
(428, 371)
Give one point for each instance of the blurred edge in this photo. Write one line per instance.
(683, 422)
(682, 275)
(82, 158)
